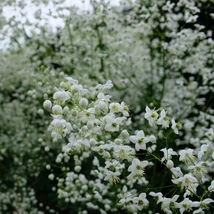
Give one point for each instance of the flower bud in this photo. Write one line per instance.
(169, 164)
(77, 168)
(83, 103)
(40, 111)
(125, 134)
(47, 104)
(74, 113)
(74, 88)
(51, 176)
(48, 166)
(102, 106)
(118, 141)
(57, 109)
(90, 125)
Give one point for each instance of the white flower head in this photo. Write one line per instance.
(187, 205)
(187, 156)
(141, 201)
(137, 167)
(163, 120)
(114, 107)
(187, 182)
(47, 104)
(168, 154)
(61, 96)
(151, 116)
(140, 140)
(113, 124)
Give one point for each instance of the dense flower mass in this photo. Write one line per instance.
(109, 112)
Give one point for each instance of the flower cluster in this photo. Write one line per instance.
(96, 133)
(145, 146)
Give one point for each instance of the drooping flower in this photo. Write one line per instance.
(175, 126)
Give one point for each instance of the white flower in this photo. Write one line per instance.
(168, 154)
(204, 205)
(102, 106)
(113, 124)
(211, 187)
(203, 150)
(139, 140)
(141, 201)
(124, 109)
(186, 155)
(104, 97)
(176, 172)
(60, 128)
(72, 81)
(157, 195)
(187, 205)
(152, 138)
(61, 96)
(199, 170)
(175, 126)
(187, 182)
(137, 168)
(114, 107)
(167, 204)
(112, 177)
(151, 116)
(163, 120)
(124, 152)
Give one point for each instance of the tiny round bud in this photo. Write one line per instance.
(48, 166)
(51, 176)
(63, 85)
(90, 125)
(118, 141)
(77, 168)
(45, 96)
(47, 149)
(58, 160)
(102, 106)
(84, 187)
(57, 109)
(92, 141)
(74, 113)
(169, 164)
(83, 103)
(106, 155)
(47, 104)
(66, 109)
(40, 111)
(74, 89)
(125, 134)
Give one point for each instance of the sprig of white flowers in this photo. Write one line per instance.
(96, 127)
